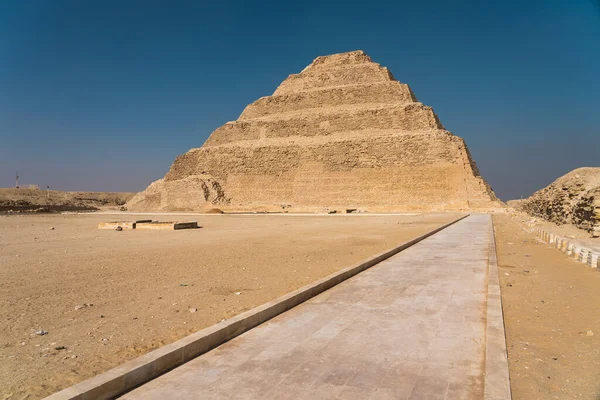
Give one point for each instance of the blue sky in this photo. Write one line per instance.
(103, 95)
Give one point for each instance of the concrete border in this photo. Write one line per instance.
(571, 247)
(140, 370)
(497, 379)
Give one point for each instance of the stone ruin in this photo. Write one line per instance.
(573, 198)
(341, 134)
(148, 224)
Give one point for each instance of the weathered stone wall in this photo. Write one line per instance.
(392, 92)
(195, 192)
(342, 133)
(586, 213)
(411, 117)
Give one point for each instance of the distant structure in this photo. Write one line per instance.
(17, 186)
(343, 134)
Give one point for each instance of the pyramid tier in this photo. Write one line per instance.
(434, 187)
(340, 60)
(334, 153)
(322, 122)
(317, 78)
(349, 173)
(377, 93)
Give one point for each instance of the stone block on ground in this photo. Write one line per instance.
(117, 224)
(168, 225)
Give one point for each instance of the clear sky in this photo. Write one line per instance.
(103, 95)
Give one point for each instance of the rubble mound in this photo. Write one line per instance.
(343, 133)
(21, 200)
(573, 198)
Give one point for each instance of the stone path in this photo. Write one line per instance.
(412, 327)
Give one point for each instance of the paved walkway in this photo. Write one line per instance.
(412, 327)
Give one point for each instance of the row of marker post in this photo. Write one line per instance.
(572, 248)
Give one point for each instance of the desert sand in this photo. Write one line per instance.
(551, 317)
(109, 296)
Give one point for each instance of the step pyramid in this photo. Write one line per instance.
(341, 134)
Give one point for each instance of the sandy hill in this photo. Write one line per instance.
(341, 134)
(573, 198)
(36, 200)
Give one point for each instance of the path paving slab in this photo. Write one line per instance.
(411, 327)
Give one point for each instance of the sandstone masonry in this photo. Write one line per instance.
(341, 134)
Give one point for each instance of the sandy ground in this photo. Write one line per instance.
(552, 317)
(109, 296)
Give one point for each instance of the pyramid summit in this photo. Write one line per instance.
(341, 134)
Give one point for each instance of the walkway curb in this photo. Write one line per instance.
(571, 247)
(497, 379)
(134, 373)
